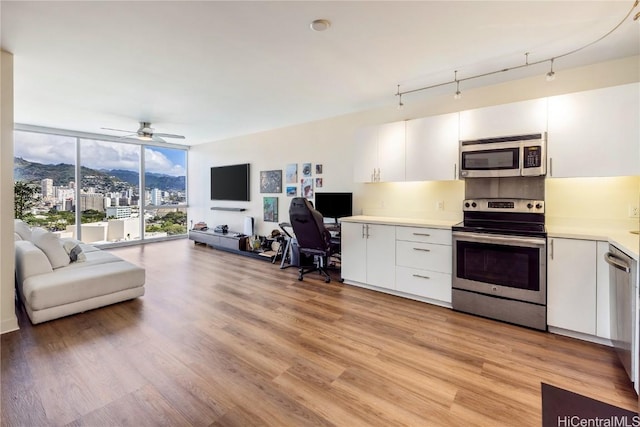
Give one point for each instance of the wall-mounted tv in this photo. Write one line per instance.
(230, 182)
(334, 205)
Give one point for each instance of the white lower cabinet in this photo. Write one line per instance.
(406, 261)
(576, 287)
(368, 254)
(423, 263)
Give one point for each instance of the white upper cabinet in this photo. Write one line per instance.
(391, 152)
(366, 154)
(595, 133)
(432, 148)
(380, 153)
(516, 118)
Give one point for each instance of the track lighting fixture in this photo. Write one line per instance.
(458, 94)
(550, 75)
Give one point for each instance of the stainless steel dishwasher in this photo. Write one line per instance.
(622, 271)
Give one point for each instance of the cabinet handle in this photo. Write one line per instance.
(422, 249)
(455, 171)
(363, 231)
(367, 225)
(551, 247)
(550, 166)
(422, 234)
(378, 176)
(421, 277)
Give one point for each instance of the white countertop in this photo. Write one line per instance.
(622, 239)
(418, 222)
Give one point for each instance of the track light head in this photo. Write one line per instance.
(551, 74)
(458, 94)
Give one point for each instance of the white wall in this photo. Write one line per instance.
(330, 142)
(8, 319)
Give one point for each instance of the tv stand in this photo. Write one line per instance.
(229, 242)
(226, 241)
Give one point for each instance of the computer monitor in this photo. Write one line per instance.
(334, 205)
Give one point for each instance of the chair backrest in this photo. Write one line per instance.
(308, 225)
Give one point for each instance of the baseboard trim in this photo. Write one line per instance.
(9, 325)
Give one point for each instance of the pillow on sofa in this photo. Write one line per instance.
(50, 244)
(22, 229)
(74, 250)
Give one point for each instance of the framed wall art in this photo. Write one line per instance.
(270, 209)
(271, 181)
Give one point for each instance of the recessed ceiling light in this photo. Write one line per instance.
(320, 24)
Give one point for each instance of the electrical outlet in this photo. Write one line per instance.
(634, 211)
(440, 205)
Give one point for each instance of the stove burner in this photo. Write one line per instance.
(518, 217)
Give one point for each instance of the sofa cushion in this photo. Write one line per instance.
(68, 285)
(74, 250)
(22, 229)
(50, 244)
(30, 261)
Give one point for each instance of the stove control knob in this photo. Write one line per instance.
(474, 204)
(530, 205)
(466, 205)
(539, 206)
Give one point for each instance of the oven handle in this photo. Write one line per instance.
(492, 238)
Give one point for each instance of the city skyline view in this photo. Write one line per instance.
(100, 155)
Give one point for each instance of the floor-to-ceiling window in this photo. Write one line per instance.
(100, 189)
(165, 199)
(109, 199)
(44, 174)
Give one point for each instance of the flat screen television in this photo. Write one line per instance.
(230, 182)
(334, 205)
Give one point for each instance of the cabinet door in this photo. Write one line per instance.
(391, 152)
(595, 133)
(353, 251)
(381, 255)
(516, 118)
(365, 154)
(571, 287)
(432, 148)
(603, 311)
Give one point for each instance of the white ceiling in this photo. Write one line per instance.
(212, 69)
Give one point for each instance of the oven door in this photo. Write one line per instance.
(503, 266)
(490, 160)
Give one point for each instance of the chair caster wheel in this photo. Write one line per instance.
(300, 278)
(327, 280)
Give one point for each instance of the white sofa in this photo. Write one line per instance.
(58, 277)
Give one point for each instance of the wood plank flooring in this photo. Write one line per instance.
(225, 340)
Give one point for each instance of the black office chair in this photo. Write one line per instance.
(314, 240)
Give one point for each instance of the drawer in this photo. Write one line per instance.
(424, 256)
(429, 284)
(425, 235)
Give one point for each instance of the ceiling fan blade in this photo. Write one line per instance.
(157, 138)
(168, 135)
(119, 130)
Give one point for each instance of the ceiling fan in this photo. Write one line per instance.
(146, 133)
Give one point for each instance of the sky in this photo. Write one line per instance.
(54, 149)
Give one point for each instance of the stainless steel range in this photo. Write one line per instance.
(499, 261)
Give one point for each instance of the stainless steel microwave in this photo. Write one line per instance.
(518, 155)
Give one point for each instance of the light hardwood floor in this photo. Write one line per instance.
(225, 340)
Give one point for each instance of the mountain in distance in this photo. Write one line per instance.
(62, 174)
(151, 180)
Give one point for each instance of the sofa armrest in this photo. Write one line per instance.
(30, 261)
